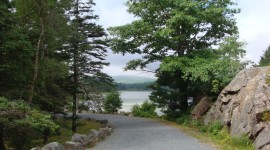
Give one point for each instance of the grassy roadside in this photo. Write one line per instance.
(65, 133)
(215, 136)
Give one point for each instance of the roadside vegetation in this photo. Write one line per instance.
(64, 133)
(23, 127)
(214, 133)
(147, 109)
(113, 102)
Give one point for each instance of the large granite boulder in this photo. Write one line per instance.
(53, 146)
(201, 108)
(70, 145)
(81, 138)
(93, 136)
(242, 105)
(104, 132)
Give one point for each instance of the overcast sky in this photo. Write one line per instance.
(253, 23)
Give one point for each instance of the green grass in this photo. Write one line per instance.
(83, 127)
(215, 134)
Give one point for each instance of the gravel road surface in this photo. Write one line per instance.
(131, 133)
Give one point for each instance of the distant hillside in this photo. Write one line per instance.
(132, 79)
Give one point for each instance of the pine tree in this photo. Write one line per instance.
(47, 30)
(87, 49)
(265, 58)
(15, 55)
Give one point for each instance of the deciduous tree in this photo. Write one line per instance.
(173, 28)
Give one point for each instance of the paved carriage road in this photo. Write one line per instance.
(131, 133)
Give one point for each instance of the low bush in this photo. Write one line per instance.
(184, 120)
(241, 141)
(147, 109)
(113, 102)
(266, 115)
(217, 133)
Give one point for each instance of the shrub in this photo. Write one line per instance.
(183, 120)
(113, 102)
(147, 109)
(266, 115)
(22, 123)
(241, 141)
(214, 128)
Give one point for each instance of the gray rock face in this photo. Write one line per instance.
(81, 138)
(104, 132)
(53, 146)
(93, 136)
(241, 105)
(70, 145)
(201, 108)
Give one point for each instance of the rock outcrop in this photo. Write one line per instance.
(201, 108)
(70, 145)
(243, 104)
(53, 146)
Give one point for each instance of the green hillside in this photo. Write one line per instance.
(132, 79)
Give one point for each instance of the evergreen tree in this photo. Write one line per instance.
(265, 58)
(86, 48)
(47, 30)
(15, 55)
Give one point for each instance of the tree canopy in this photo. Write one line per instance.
(174, 27)
(182, 36)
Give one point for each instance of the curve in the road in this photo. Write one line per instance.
(131, 133)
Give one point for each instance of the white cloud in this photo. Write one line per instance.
(254, 26)
(112, 13)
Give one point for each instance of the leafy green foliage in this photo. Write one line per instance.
(265, 58)
(147, 109)
(21, 121)
(113, 102)
(170, 93)
(167, 28)
(179, 34)
(214, 67)
(241, 141)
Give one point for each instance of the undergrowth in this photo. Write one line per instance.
(266, 115)
(147, 109)
(65, 133)
(218, 134)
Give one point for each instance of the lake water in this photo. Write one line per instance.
(131, 98)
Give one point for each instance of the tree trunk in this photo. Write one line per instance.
(74, 113)
(75, 89)
(75, 72)
(2, 146)
(36, 65)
